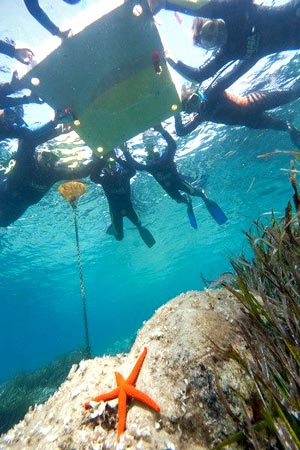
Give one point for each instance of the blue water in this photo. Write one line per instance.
(125, 282)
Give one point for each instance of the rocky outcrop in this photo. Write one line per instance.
(180, 370)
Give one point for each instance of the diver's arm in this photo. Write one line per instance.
(130, 160)
(223, 82)
(184, 129)
(199, 74)
(37, 12)
(45, 133)
(171, 144)
(206, 8)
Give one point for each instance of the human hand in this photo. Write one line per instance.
(24, 55)
(168, 56)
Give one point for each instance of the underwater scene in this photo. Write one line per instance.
(68, 282)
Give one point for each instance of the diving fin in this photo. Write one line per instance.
(191, 216)
(146, 236)
(215, 211)
(110, 230)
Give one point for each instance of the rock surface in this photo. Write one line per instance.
(178, 373)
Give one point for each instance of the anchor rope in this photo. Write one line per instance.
(82, 290)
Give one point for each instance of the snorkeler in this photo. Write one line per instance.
(228, 109)
(114, 175)
(164, 170)
(38, 13)
(32, 175)
(23, 55)
(236, 30)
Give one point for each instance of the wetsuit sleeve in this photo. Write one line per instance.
(7, 49)
(213, 9)
(171, 144)
(132, 162)
(45, 133)
(184, 129)
(222, 83)
(32, 138)
(206, 70)
(9, 102)
(96, 169)
(37, 12)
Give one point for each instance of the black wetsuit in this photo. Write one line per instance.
(254, 31)
(38, 13)
(116, 186)
(246, 111)
(164, 170)
(8, 102)
(7, 49)
(28, 182)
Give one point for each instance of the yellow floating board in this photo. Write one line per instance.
(107, 76)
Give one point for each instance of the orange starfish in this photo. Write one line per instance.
(126, 388)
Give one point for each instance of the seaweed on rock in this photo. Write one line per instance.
(268, 286)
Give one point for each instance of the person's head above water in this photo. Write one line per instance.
(209, 34)
(72, 2)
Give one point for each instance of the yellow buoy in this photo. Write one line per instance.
(72, 190)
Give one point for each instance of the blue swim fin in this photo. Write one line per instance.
(215, 211)
(110, 230)
(147, 236)
(191, 216)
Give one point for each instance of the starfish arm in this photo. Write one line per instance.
(121, 413)
(103, 397)
(136, 370)
(141, 397)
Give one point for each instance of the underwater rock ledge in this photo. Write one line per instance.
(183, 338)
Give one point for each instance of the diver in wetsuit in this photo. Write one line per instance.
(23, 55)
(114, 175)
(237, 30)
(32, 175)
(164, 170)
(38, 13)
(228, 109)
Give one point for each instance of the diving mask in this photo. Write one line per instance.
(213, 33)
(194, 101)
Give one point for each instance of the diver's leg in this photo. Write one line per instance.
(261, 101)
(144, 232)
(116, 222)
